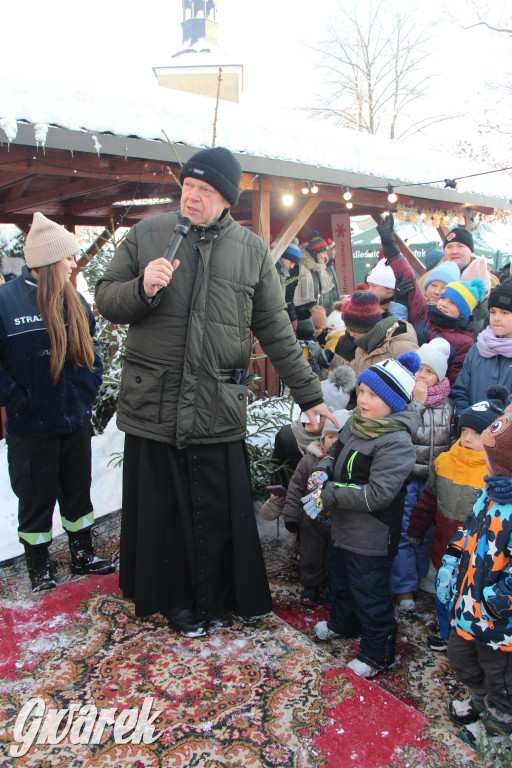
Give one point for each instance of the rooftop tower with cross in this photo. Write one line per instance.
(195, 66)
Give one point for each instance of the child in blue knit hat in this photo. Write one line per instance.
(361, 483)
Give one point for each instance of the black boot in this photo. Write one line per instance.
(83, 557)
(38, 564)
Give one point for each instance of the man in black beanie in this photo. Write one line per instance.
(189, 543)
(459, 247)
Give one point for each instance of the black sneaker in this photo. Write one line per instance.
(437, 643)
(464, 712)
(309, 597)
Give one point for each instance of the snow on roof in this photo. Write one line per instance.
(247, 128)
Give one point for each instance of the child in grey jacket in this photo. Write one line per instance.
(362, 483)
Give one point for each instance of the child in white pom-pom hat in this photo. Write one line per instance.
(434, 435)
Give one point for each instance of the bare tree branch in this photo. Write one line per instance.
(374, 60)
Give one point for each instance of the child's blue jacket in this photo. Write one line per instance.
(482, 604)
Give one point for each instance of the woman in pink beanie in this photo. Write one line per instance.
(50, 373)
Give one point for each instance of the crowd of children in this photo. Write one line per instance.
(419, 475)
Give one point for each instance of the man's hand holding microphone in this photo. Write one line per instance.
(158, 273)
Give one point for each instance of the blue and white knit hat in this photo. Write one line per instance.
(446, 272)
(393, 380)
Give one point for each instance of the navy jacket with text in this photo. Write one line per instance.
(25, 369)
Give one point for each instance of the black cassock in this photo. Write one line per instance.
(188, 535)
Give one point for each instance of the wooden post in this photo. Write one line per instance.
(261, 214)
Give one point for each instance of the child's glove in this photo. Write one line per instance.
(313, 502)
(446, 579)
(319, 477)
(403, 289)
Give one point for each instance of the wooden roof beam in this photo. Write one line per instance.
(58, 162)
(287, 234)
(24, 220)
(17, 190)
(122, 191)
(361, 197)
(8, 180)
(57, 194)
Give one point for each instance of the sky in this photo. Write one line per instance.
(109, 44)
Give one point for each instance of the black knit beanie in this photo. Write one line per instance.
(460, 235)
(501, 296)
(481, 415)
(219, 168)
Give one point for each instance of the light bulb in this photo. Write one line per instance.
(347, 194)
(392, 198)
(349, 205)
(305, 190)
(287, 199)
(314, 189)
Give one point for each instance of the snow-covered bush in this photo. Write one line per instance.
(111, 338)
(11, 251)
(264, 419)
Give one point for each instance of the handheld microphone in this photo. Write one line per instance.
(181, 230)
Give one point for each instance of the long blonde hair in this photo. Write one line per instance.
(59, 304)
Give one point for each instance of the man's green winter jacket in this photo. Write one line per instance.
(184, 348)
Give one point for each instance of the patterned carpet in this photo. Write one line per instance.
(266, 696)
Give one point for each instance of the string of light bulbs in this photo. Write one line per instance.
(449, 183)
(311, 187)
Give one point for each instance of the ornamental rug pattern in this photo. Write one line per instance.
(264, 696)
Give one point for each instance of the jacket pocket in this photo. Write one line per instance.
(230, 414)
(244, 312)
(142, 386)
